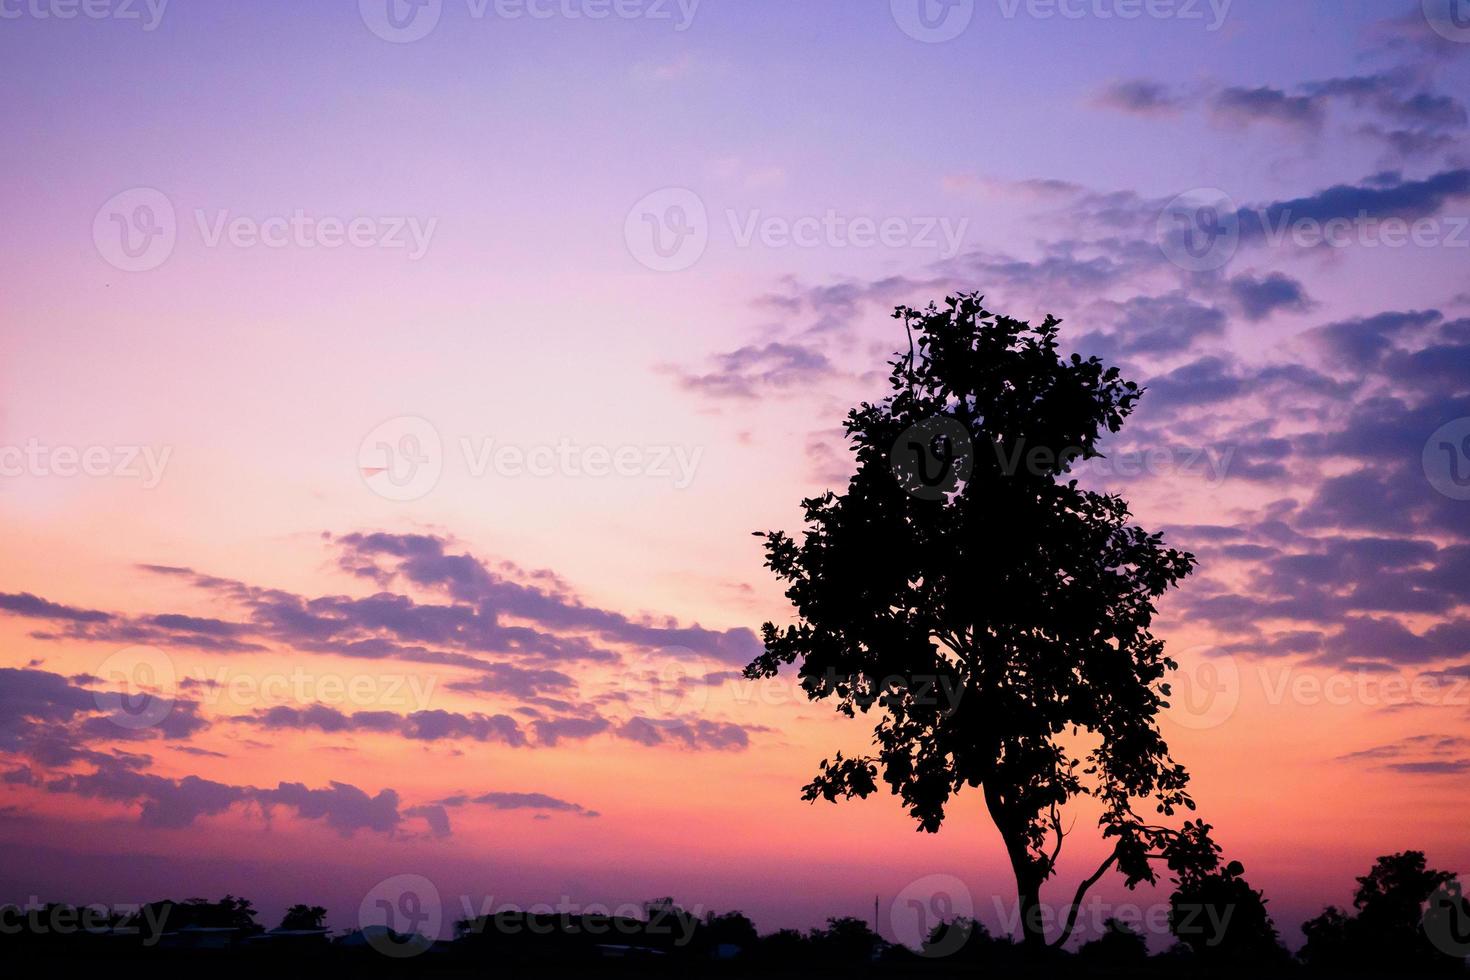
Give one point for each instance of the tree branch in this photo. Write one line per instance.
(1077, 900)
(1056, 823)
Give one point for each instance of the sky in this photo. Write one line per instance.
(388, 394)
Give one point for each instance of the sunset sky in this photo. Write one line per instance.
(392, 393)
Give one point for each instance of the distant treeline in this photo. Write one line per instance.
(1407, 920)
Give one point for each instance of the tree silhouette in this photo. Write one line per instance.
(304, 917)
(1120, 947)
(785, 947)
(1379, 938)
(729, 928)
(198, 913)
(987, 605)
(846, 940)
(1221, 919)
(967, 939)
(1386, 931)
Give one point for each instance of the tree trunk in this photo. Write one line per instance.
(1027, 869)
(1033, 926)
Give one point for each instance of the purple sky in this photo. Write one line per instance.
(612, 282)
